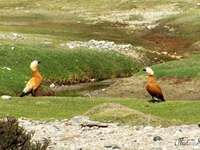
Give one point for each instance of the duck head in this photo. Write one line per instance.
(34, 65)
(149, 71)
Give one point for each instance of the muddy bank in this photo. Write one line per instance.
(134, 87)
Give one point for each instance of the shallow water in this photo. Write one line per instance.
(77, 90)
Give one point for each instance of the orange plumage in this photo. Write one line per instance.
(152, 87)
(33, 84)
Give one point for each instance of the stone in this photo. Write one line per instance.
(147, 128)
(52, 85)
(7, 97)
(15, 35)
(78, 119)
(157, 138)
(71, 134)
(89, 123)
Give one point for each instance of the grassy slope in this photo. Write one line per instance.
(69, 66)
(185, 68)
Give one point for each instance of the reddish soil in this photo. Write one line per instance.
(167, 44)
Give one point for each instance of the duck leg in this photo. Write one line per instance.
(33, 93)
(152, 100)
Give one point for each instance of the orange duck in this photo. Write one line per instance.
(33, 84)
(152, 87)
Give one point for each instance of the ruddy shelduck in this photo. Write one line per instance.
(33, 84)
(152, 87)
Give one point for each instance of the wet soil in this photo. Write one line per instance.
(134, 87)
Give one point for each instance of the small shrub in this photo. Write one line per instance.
(14, 137)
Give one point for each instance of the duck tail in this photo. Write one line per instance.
(162, 98)
(23, 94)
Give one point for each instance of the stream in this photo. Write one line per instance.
(82, 89)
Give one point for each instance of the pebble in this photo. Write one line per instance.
(7, 97)
(157, 138)
(81, 133)
(94, 44)
(125, 49)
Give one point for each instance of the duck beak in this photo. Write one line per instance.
(144, 69)
(39, 62)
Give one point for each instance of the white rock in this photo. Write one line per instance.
(165, 53)
(148, 128)
(47, 43)
(196, 147)
(6, 97)
(52, 85)
(15, 35)
(62, 45)
(6, 68)
(178, 133)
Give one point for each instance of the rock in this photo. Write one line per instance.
(89, 123)
(47, 43)
(52, 85)
(62, 45)
(78, 119)
(196, 147)
(107, 45)
(151, 26)
(113, 146)
(6, 97)
(147, 128)
(125, 49)
(157, 138)
(165, 53)
(7, 68)
(71, 134)
(15, 35)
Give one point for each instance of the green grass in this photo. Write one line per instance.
(186, 24)
(51, 108)
(63, 21)
(64, 66)
(184, 68)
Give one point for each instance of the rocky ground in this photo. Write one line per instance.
(80, 133)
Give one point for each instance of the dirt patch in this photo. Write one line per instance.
(44, 92)
(163, 43)
(134, 87)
